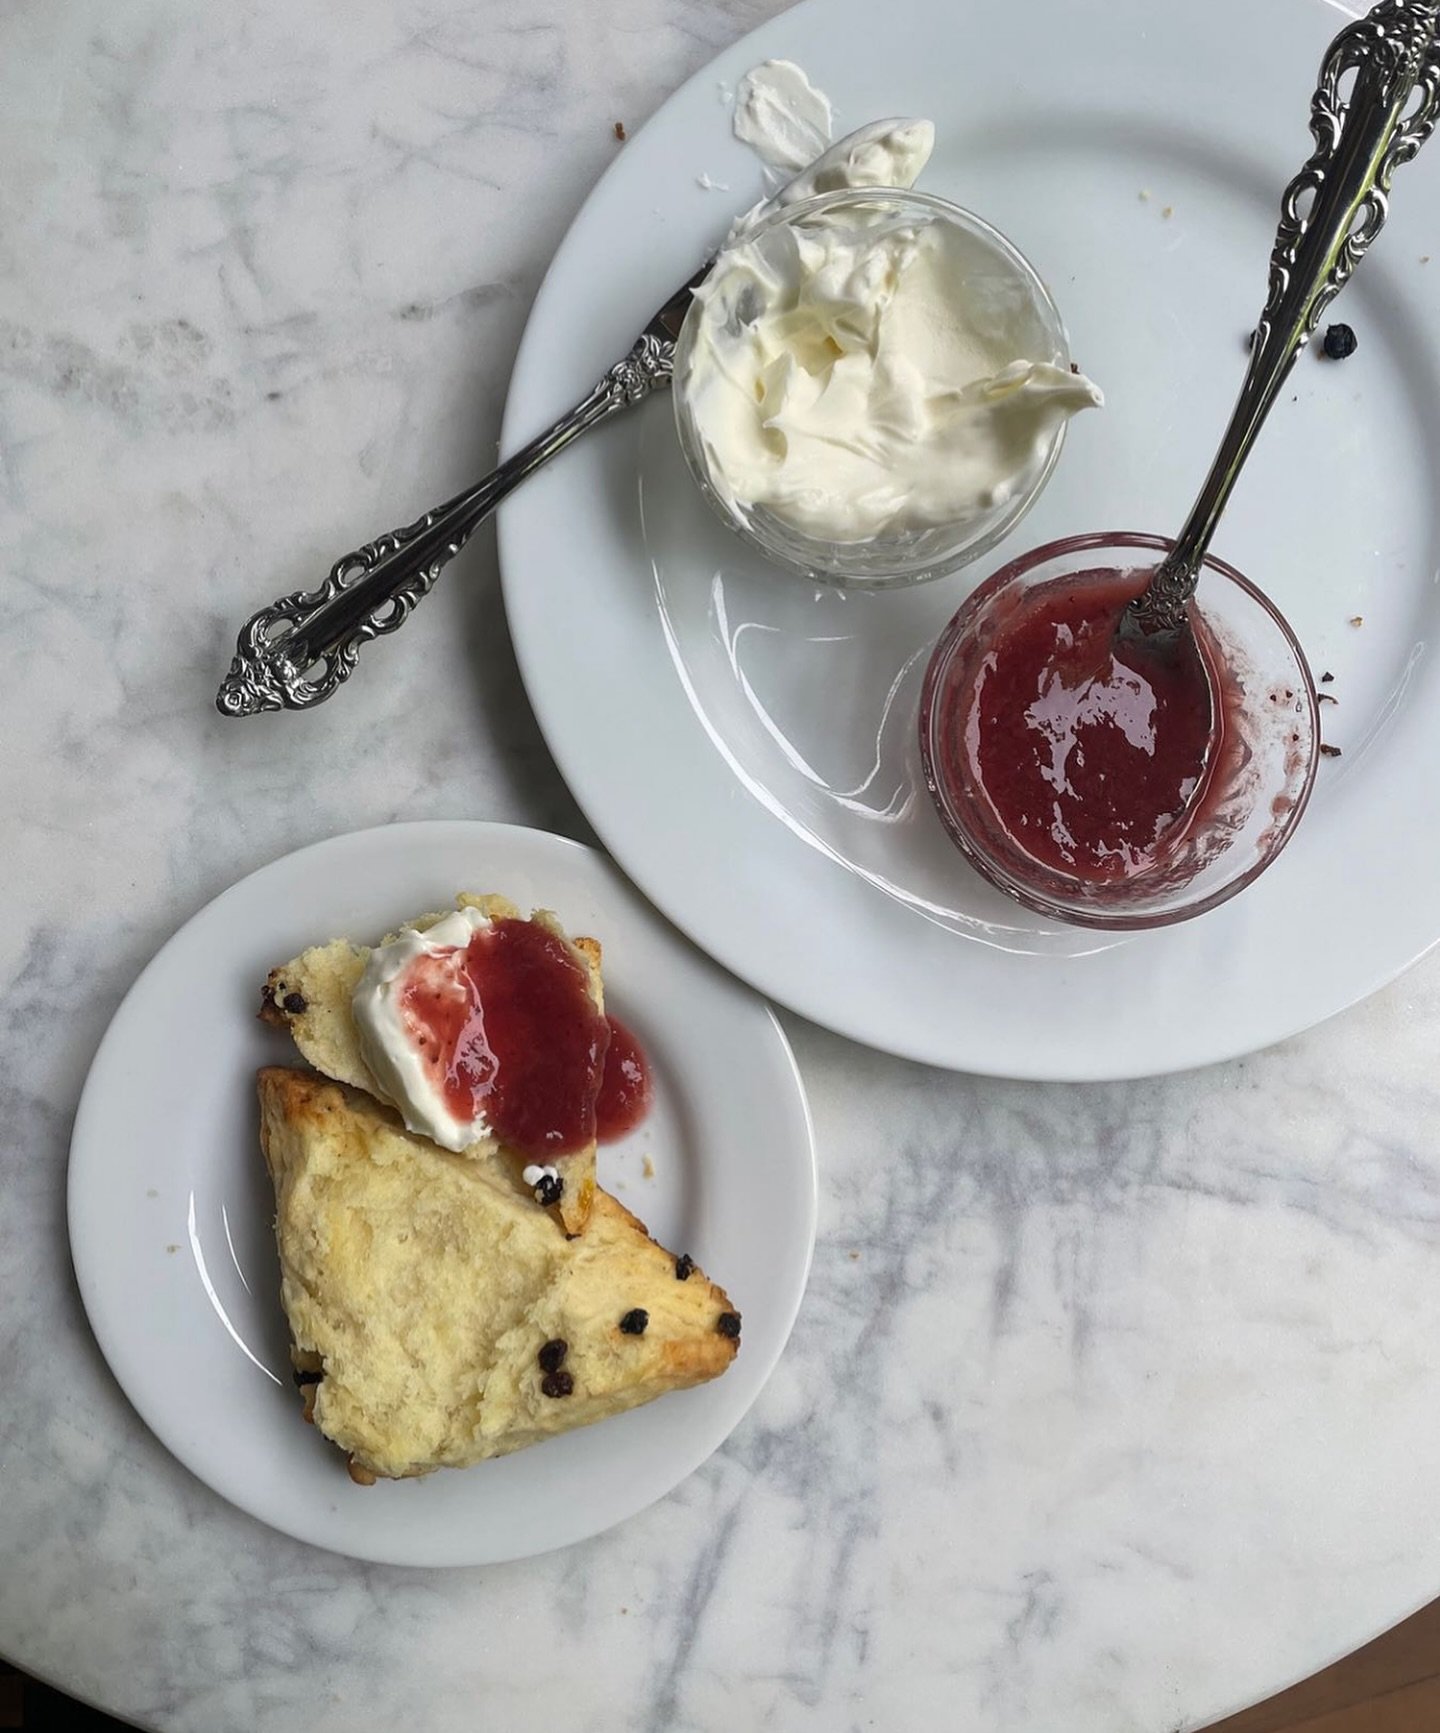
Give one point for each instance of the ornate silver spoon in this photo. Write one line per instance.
(1330, 213)
(298, 651)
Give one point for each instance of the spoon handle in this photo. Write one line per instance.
(1329, 215)
(296, 652)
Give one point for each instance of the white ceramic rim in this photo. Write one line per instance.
(1327, 927)
(118, 1154)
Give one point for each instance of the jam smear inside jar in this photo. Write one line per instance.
(508, 1029)
(1091, 756)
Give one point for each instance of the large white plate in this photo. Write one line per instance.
(745, 745)
(171, 1209)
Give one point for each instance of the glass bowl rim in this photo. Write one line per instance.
(1006, 522)
(1116, 920)
(961, 215)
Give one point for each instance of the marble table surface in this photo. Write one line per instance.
(1109, 1407)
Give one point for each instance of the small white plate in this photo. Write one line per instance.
(746, 745)
(171, 1210)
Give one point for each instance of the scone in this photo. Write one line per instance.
(312, 996)
(439, 1316)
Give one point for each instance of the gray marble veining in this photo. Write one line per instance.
(1107, 1405)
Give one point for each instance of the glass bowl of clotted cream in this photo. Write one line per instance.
(873, 386)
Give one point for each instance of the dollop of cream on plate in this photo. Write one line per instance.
(781, 115)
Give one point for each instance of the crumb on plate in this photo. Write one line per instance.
(1339, 342)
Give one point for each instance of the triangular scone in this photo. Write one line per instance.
(311, 996)
(439, 1316)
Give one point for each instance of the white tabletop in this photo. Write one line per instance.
(1109, 1407)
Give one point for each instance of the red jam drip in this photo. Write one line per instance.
(626, 1088)
(507, 1028)
(1095, 756)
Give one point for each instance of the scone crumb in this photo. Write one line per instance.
(647, 1167)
